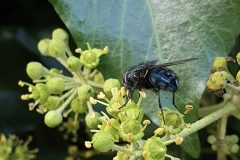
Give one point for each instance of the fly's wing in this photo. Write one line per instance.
(174, 63)
(143, 67)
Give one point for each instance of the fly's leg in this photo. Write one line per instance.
(160, 106)
(128, 97)
(174, 104)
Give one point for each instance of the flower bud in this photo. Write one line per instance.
(211, 139)
(41, 92)
(121, 156)
(56, 48)
(73, 150)
(153, 148)
(73, 63)
(92, 120)
(88, 144)
(159, 131)
(53, 118)
(78, 106)
(89, 59)
(174, 122)
(235, 148)
(60, 34)
(178, 140)
(238, 76)
(98, 77)
(56, 85)
(85, 92)
(220, 63)
(35, 70)
(53, 102)
(217, 79)
(102, 141)
(132, 127)
(43, 46)
(109, 84)
(238, 58)
(131, 111)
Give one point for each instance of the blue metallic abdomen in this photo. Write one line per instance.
(164, 79)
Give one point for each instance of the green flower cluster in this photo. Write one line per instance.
(13, 148)
(64, 98)
(228, 145)
(126, 124)
(221, 78)
(57, 95)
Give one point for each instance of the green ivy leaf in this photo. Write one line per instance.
(142, 30)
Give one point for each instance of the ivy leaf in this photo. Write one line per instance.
(142, 30)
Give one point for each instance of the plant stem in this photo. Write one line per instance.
(227, 109)
(221, 135)
(122, 149)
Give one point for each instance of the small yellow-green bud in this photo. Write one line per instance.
(142, 94)
(78, 50)
(121, 156)
(92, 100)
(92, 120)
(53, 102)
(53, 118)
(35, 70)
(56, 48)
(101, 95)
(88, 144)
(153, 148)
(60, 34)
(102, 141)
(159, 131)
(211, 139)
(238, 76)
(216, 80)
(72, 150)
(78, 106)
(232, 138)
(131, 126)
(220, 63)
(41, 92)
(56, 85)
(109, 84)
(105, 50)
(98, 77)
(85, 92)
(146, 122)
(178, 140)
(235, 148)
(89, 59)
(20, 83)
(74, 64)
(238, 58)
(43, 46)
(173, 119)
(174, 122)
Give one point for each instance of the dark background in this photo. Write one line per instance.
(23, 24)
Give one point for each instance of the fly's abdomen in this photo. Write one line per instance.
(163, 79)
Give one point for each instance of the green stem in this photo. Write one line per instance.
(227, 109)
(81, 77)
(98, 85)
(171, 157)
(122, 149)
(65, 104)
(203, 111)
(221, 135)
